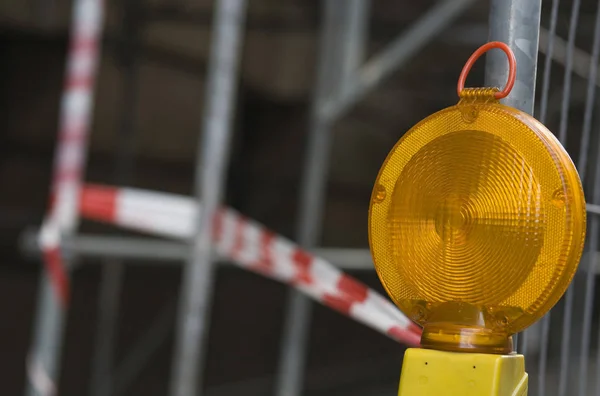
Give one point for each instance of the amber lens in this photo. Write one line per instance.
(477, 220)
(465, 213)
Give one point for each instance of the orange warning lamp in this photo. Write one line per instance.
(477, 221)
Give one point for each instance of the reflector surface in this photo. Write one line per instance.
(477, 220)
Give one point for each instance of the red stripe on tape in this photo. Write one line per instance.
(217, 226)
(238, 242)
(355, 290)
(58, 274)
(51, 200)
(339, 303)
(65, 175)
(78, 82)
(414, 328)
(73, 134)
(83, 44)
(99, 203)
(350, 292)
(404, 335)
(265, 263)
(303, 263)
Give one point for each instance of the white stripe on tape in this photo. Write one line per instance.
(168, 214)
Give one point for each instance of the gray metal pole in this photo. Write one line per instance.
(355, 35)
(292, 360)
(581, 60)
(75, 119)
(213, 154)
(160, 252)
(101, 383)
(516, 23)
(395, 55)
(48, 339)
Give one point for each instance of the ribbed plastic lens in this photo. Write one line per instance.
(477, 225)
(468, 198)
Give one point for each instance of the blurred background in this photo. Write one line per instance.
(146, 125)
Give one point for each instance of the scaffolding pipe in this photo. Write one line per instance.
(43, 363)
(148, 250)
(521, 33)
(213, 154)
(355, 36)
(112, 278)
(292, 359)
(101, 382)
(400, 51)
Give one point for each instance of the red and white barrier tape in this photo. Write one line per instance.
(252, 247)
(75, 120)
(74, 126)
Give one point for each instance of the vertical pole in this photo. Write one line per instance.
(101, 383)
(213, 153)
(354, 42)
(343, 29)
(545, 322)
(43, 365)
(75, 120)
(516, 23)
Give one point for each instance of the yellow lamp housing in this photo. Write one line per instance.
(476, 224)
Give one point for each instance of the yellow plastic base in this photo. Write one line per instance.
(427, 372)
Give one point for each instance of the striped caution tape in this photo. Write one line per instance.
(75, 117)
(252, 247)
(75, 120)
